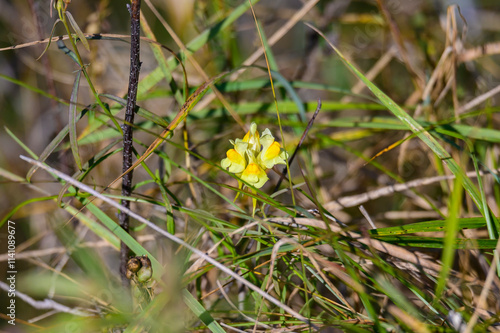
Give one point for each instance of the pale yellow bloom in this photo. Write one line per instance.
(254, 175)
(271, 153)
(252, 156)
(235, 161)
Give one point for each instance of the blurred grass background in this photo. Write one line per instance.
(398, 51)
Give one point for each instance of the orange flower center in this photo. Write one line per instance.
(253, 169)
(233, 155)
(273, 150)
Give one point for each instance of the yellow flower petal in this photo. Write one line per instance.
(254, 175)
(234, 162)
(271, 153)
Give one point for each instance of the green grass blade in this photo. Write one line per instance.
(201, 312)
(437, 242)
(124, 237)
(429, 226)
(73, 120)
(449, 239)
(20, 143)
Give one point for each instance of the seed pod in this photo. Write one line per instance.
(134, 264)
(146, 271)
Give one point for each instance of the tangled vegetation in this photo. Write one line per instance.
(250, 166)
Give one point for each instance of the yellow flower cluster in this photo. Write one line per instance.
(252, 156)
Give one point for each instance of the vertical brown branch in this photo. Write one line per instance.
(135, 67)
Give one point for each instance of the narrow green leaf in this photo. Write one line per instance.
(450, 238)
(50, 38)
(429, 226)
(73, 120)
(124, 237)
(437, 242)
(89, 165)
(20, 143)
(78, 31)
(94, 226)
(293, 95)
(201, 312)
(52, 146)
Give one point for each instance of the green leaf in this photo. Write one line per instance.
(78, 31)
(429, 226)
(450, 239)
(437, 242)
(73, 139)
(125, 237)
(201, 312)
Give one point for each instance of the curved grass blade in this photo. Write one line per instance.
(67, 51)
(293, 95)
(88, 166)
(50, 38)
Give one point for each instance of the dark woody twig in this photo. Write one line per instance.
(309, 125)
(135, 67)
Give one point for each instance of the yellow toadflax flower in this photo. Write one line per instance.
(252, 156)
